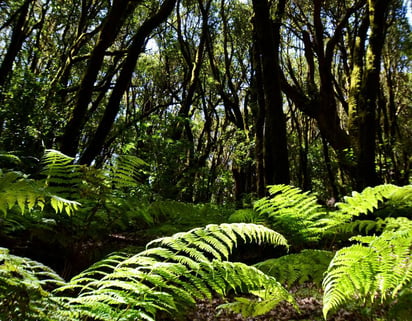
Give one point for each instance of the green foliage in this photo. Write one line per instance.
(172, 216)
(308, 265)
(246, 215)
(171, 274)
(293, 213)
(298, 214)
(376, 267)
(370, 210)
(265, 299)
(110, 203)
(399, 203)
(25, 289)
(365, 202)
(108, 196)
(16, 189)
(401, 310)
(126, 171)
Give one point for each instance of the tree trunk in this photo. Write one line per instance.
(18, 36)
(110, 29)
(275, 154)
(363, 104)
(113, 106)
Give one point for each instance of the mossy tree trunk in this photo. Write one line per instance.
(365, 86)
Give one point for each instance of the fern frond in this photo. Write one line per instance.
(308, 265)
(246, 215)
(378, 266)
(367, 211)
(126, 171)
(398, 223)
(174, 216)
(266, 299)
(200, 241)
(293, 212)
(25, 287)
(361, 226)
(366, 201)
(17, 190)
(172, 273)
(399, 204)
(61, 175)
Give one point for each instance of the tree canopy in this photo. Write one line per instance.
(220, 98)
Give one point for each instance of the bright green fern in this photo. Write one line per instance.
(172, 273)
(293, 213)
(368, 211)
(376, 267)
(17, 190)
(367, 201)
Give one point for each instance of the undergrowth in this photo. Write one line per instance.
(358, 252)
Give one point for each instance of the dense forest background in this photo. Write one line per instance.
(193, 140)
(218, 98)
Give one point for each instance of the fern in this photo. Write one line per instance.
(16, 189)
(171, 274)
(126, 171)
(170, 216)
(62, 177)
(265, 300)
(366, 201)
(25, 287)
(293, 212)
(246, 215)
(308, 265)
(399, 203)
(105, 194)
(378, 266)
(367, 211)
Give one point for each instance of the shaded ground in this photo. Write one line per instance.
(310, 309)
(308, 298)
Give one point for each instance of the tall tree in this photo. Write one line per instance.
(136, 47)
(21, 29)
(109, 30)
(362, 110)
(267, 40)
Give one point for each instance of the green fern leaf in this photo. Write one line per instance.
(366, 201)
(126, 171)
(25, 289)
(293, 212)
(171, 274)
(380, 266)
(378, 203)
(272, 294)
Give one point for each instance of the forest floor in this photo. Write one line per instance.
(308, 298)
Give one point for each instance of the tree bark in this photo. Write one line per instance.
(366, 167)
(275, 153)
(365, 84)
